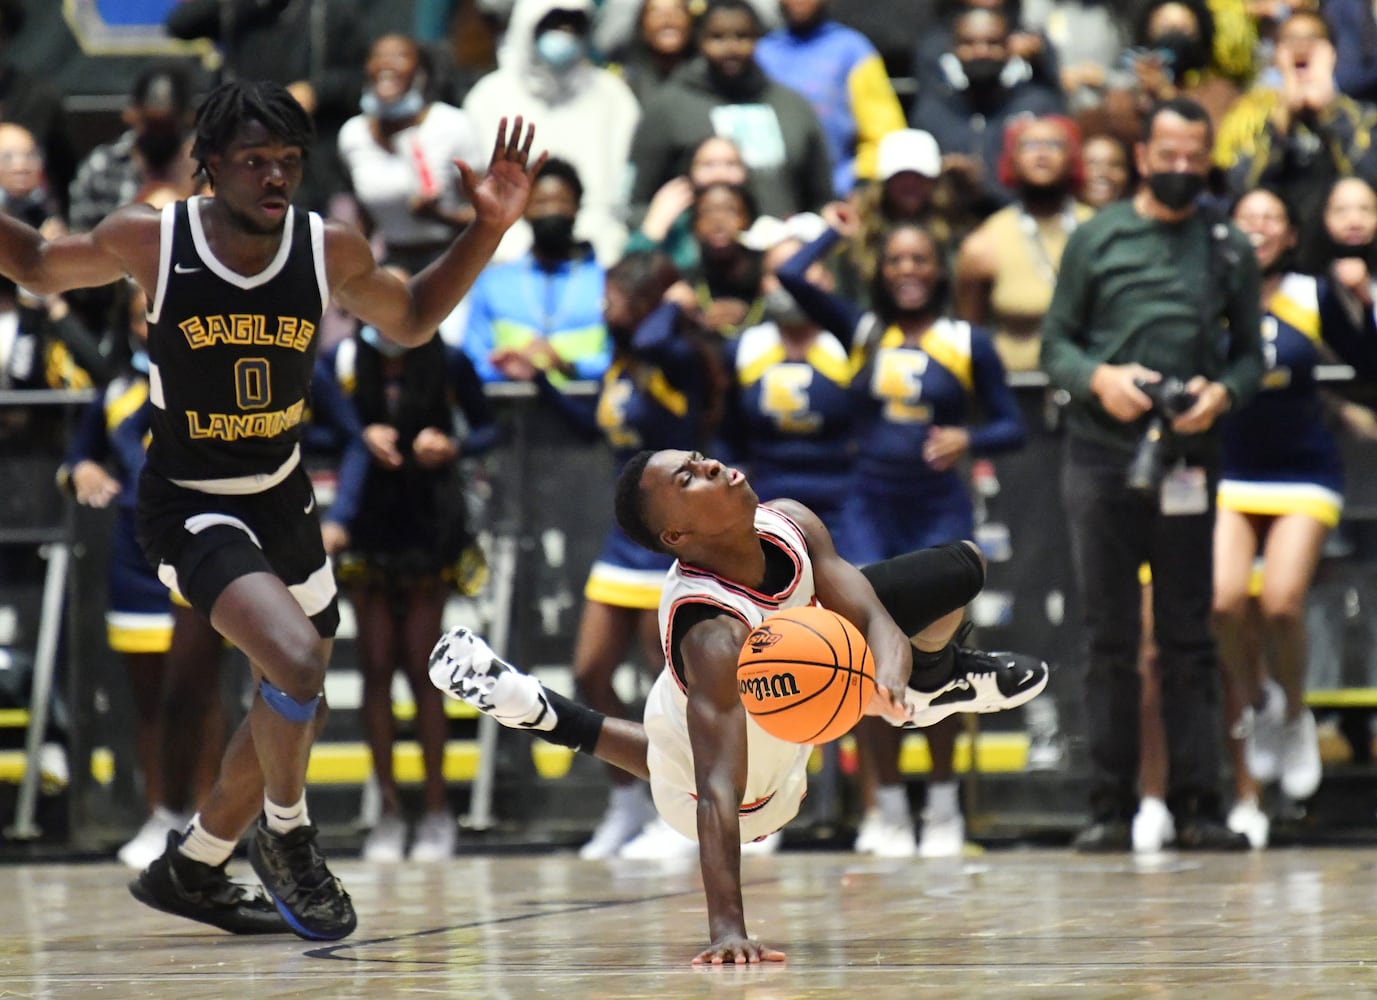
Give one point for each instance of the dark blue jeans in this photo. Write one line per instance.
(1114, 531)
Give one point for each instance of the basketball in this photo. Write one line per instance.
(805, 675)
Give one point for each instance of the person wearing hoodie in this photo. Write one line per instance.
(587, 115)
(547, 304)
(843, 77)
(724, 92)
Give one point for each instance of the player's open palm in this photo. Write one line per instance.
(734, 950)
(499, 196)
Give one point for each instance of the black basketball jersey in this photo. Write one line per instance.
(230, 356)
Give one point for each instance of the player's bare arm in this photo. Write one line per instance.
(717, 735)
(125, 242)
(410, 311)
(842, 588)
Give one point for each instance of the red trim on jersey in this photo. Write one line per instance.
(669, 630)
(749, 807)
(767, 601)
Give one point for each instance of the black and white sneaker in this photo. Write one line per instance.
(311, 900)
(464, 667)
(981, 682)
(187, 888)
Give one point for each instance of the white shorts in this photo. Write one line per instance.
(776, 771)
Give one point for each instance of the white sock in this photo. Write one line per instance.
(519, 700)
(942, 799)
(198, 845)
(892, 803)
(285, 819)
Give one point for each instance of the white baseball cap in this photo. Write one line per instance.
(908, 149)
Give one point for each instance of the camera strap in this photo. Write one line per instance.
(1223, 258)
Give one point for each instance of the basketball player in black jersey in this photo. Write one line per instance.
(237, 282)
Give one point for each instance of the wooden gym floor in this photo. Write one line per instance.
(1007, 923)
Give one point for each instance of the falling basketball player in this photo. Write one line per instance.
(716, 776)
(237, 284)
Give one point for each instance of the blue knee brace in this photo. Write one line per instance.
(285, 705)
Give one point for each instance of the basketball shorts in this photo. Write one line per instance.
(776, 771)
(203, 542)
(625, 575)
(138, 615)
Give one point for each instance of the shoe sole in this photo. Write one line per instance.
(929, 716)
(292, 920)
(267, 926)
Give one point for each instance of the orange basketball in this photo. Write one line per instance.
(805, 675)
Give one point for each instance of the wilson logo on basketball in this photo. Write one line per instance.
(774, 686)
(762, 639)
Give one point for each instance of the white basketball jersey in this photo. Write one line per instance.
(772, 764)
(690, 585)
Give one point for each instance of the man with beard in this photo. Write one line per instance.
(724, 92)
(1007, 268)
(1149, 290)
(547, 304)
(967, 109)
(152, 152)
(237, 284)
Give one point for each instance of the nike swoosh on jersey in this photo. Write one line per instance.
(185, 270)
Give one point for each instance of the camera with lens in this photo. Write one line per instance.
(1170, 398)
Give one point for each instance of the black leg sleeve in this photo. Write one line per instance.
(918, 588)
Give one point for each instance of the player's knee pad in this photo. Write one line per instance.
(918, 588)
(285, 705)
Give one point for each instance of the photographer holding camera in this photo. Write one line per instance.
(1153, 330)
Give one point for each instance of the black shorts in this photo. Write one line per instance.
(200, 543)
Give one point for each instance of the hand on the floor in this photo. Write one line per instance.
(735, 950)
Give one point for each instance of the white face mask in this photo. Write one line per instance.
(409, 105)
(559, 49)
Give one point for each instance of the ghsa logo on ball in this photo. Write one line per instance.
(782, 685)
(762, 639)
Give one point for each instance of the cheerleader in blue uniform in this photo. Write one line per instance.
(1281, 488)
(789, 406)
(654, 395)
(920, 379)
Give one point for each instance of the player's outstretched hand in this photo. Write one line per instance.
(499, 197)
(733, 950)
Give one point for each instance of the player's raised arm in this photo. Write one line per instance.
(125, 242)
(409, 312)
(717, 735)
(844, 589)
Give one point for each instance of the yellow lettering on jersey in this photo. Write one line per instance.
(248, 330)
(237, 426)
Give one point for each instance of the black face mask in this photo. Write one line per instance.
(1187, 51)
(553, 234)
(158, 147)
(1175, 189)
(1044, 194)
(1334, 250)
(982, 73)
(621, 336)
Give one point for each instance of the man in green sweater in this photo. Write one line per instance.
(1151, 289)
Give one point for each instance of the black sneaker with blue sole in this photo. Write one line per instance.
(309, 898)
